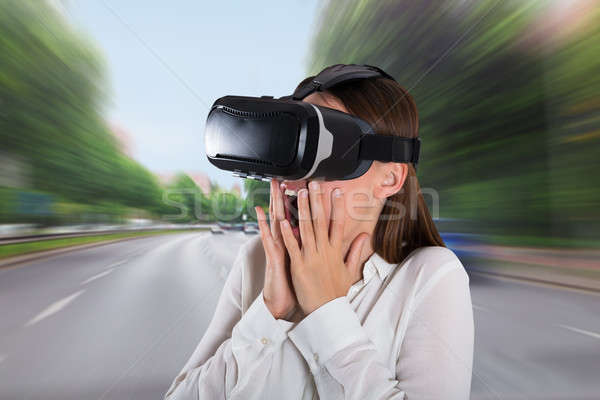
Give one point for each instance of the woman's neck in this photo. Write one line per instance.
(365, 254)
(367, 249)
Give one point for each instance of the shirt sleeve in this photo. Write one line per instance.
(234, 356)
(435, 361)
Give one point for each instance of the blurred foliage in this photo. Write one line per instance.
(184, 194)
(509, 98)
(508, 94)
(257, 194)
(227, 206)
(187, 203)
(51, 97)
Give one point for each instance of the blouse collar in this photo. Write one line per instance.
(376, 264)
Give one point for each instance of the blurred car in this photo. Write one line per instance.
(215, 230)
(251, 228)
(228, 226)
(224, 225)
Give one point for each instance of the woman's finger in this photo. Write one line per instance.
(317, 213)
(277, 210)
(307, 235)
(353, 256)
(265, 232)
(336, 225)
(290, 241)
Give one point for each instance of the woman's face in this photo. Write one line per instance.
(363, 196)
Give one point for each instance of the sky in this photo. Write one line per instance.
(167, 62)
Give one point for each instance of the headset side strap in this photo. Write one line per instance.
(389, 148)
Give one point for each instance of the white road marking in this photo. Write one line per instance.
(583, 332)
(100, 275)
(479, 308)
(110, 269)
(54, 308)
(118, 263)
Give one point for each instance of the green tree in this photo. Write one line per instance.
(227, 206)
(508, 123)
(52, 90)
(182, 195)
(257, 194)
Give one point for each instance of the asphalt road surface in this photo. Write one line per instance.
(118, 321)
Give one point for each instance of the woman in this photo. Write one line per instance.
(356, 297)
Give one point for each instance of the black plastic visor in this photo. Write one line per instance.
(263, 138)
(253, 138)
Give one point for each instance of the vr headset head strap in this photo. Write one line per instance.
(386, 148)
(390, 148)
(336, 74)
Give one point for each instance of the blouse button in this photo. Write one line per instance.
(316, 357)
(264, 340)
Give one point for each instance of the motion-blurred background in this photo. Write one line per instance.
(102, 109)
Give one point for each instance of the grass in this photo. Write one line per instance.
(15, 249)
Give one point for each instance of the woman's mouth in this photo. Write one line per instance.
(291, 211)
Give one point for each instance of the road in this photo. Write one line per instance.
(118, 322)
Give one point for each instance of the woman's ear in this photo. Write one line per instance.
(390, 179)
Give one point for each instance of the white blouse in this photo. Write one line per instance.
(405, 331)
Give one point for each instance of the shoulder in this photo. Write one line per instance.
(431, 266)
(432, 260)
(432, 256)
(251, 263)
(252, 253)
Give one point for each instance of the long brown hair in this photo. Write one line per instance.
(404, 223)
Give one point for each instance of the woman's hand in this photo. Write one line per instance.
(320, 272)
(278, 291)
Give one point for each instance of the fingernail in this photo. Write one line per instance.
(303, 192)
(285, 223)
(314, 185)
(337, 192)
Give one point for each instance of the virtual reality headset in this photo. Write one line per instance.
(289, 139)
